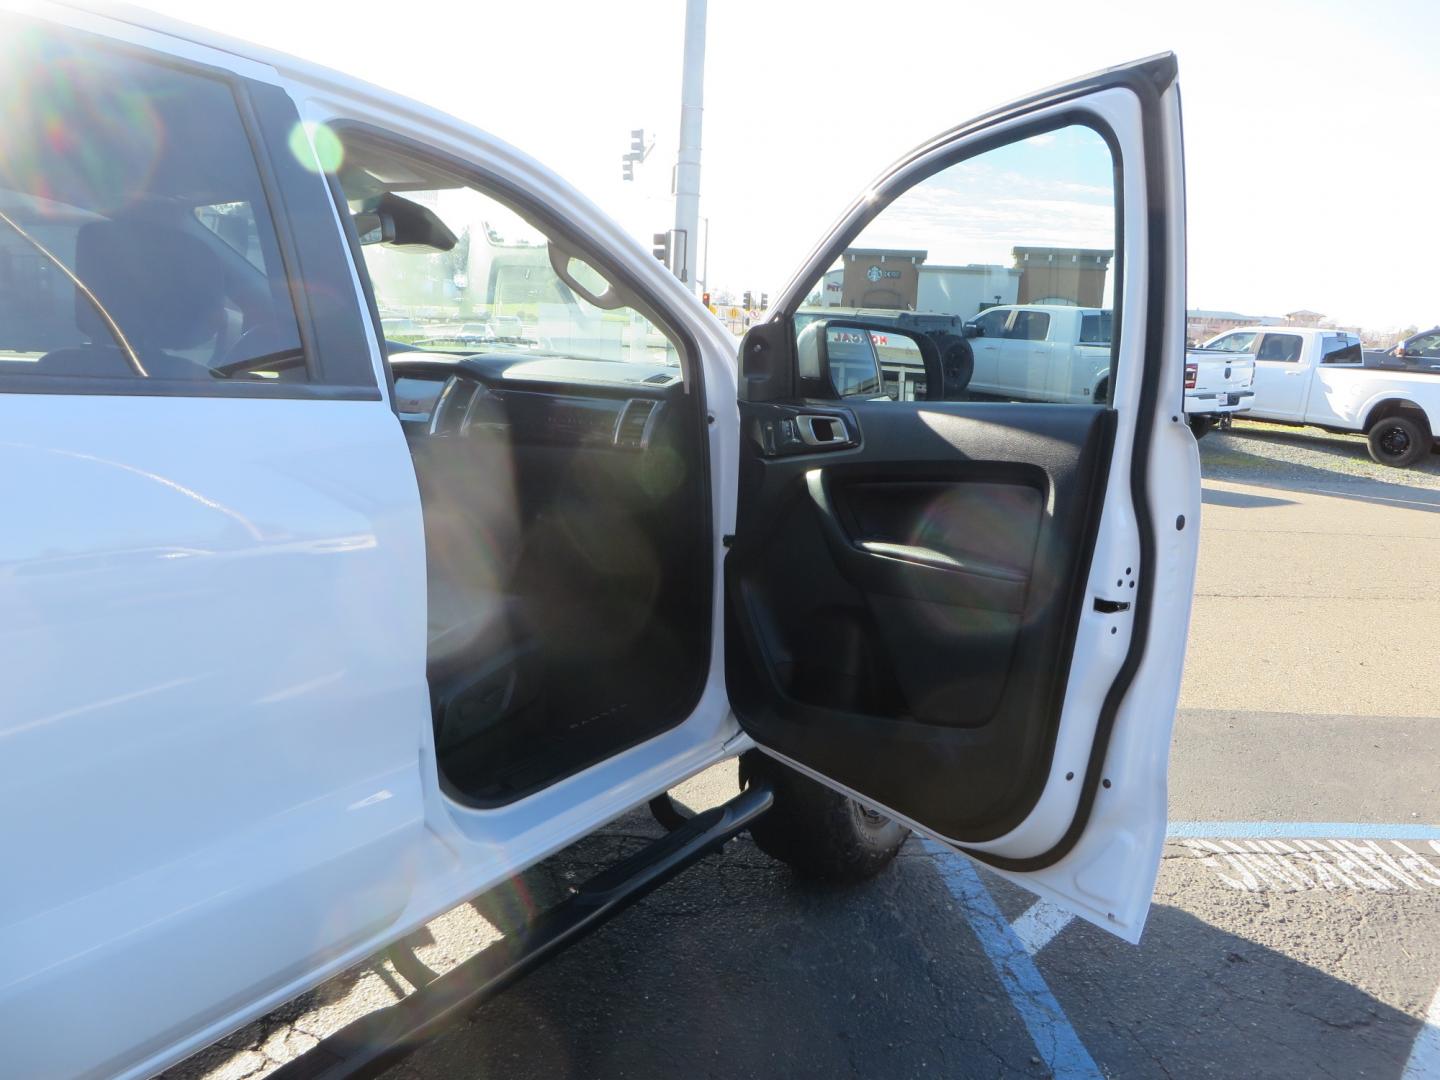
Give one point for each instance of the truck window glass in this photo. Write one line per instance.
(139, 246)
(234, 222)
(1283, 347)
(1096, 329)
(992, 323)
(1342, 351)
(1029, 326)
(1233, 343)
(1425, 345)
(494, 288)
(1007, 261)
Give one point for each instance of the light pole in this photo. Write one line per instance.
(687, 166)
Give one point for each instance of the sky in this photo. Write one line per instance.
(1312, 166)
(1054, 189)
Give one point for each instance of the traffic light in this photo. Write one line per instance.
(637, 152)
(747, 305)
(661, 250)
(764, 301)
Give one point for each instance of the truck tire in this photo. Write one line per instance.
(958, 364)
(1397, 441)
(819, 833)
(1200, 426)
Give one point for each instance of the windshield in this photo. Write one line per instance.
(1235, 343)
(495, 288)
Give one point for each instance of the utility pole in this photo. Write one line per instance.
(687, 167)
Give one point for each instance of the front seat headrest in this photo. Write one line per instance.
(166, 290)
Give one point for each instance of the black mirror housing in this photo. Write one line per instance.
(402, 225)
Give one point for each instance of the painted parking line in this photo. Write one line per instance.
(1055, 1040)
(1330, 865)
(1421, 504)
(1293, 856)
(1038, 925)
(1424, 1062)
(1300, 830)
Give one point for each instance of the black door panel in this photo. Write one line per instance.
(919, 591)
(941, 539)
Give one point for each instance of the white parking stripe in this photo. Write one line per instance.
(1330, 830)
(1055, 1040)
(1297, 865)
(1038, 924)
(1424, 1063)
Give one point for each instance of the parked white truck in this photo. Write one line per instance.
(1316, 376)
(313, 633)
(1048, 352)
(1216, 388)
(1053, 352)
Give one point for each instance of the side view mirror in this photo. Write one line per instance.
(856, 357)
(837, 358)
(972, 329)
(402, 225)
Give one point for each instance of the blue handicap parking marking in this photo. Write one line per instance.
(1050, 1029)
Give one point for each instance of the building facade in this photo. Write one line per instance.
(1075, 276)
(899, 279)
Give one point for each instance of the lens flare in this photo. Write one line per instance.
(316, 147)
(48, 95)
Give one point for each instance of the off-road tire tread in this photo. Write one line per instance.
(817, 832)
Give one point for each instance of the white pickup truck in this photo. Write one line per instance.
(1043, 352)
(1316, 376)
(1054, 352)
(1216, 387)
(313, 633)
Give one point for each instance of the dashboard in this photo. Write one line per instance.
(550, 401)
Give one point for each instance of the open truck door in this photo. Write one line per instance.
(971, 614)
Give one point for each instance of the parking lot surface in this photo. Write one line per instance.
(1296, 924)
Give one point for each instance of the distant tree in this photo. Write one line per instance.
(457, 264)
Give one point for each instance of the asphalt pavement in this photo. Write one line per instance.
(1296, 924)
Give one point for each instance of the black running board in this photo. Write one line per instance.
(375, 1042)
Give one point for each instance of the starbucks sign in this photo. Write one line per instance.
(876, 274)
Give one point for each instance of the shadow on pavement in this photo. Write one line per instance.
(1193, 1000)
(1240, 499)
(737, 969)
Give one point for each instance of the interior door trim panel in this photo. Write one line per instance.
(885, 557)
(1150, 231)
(914, 592)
